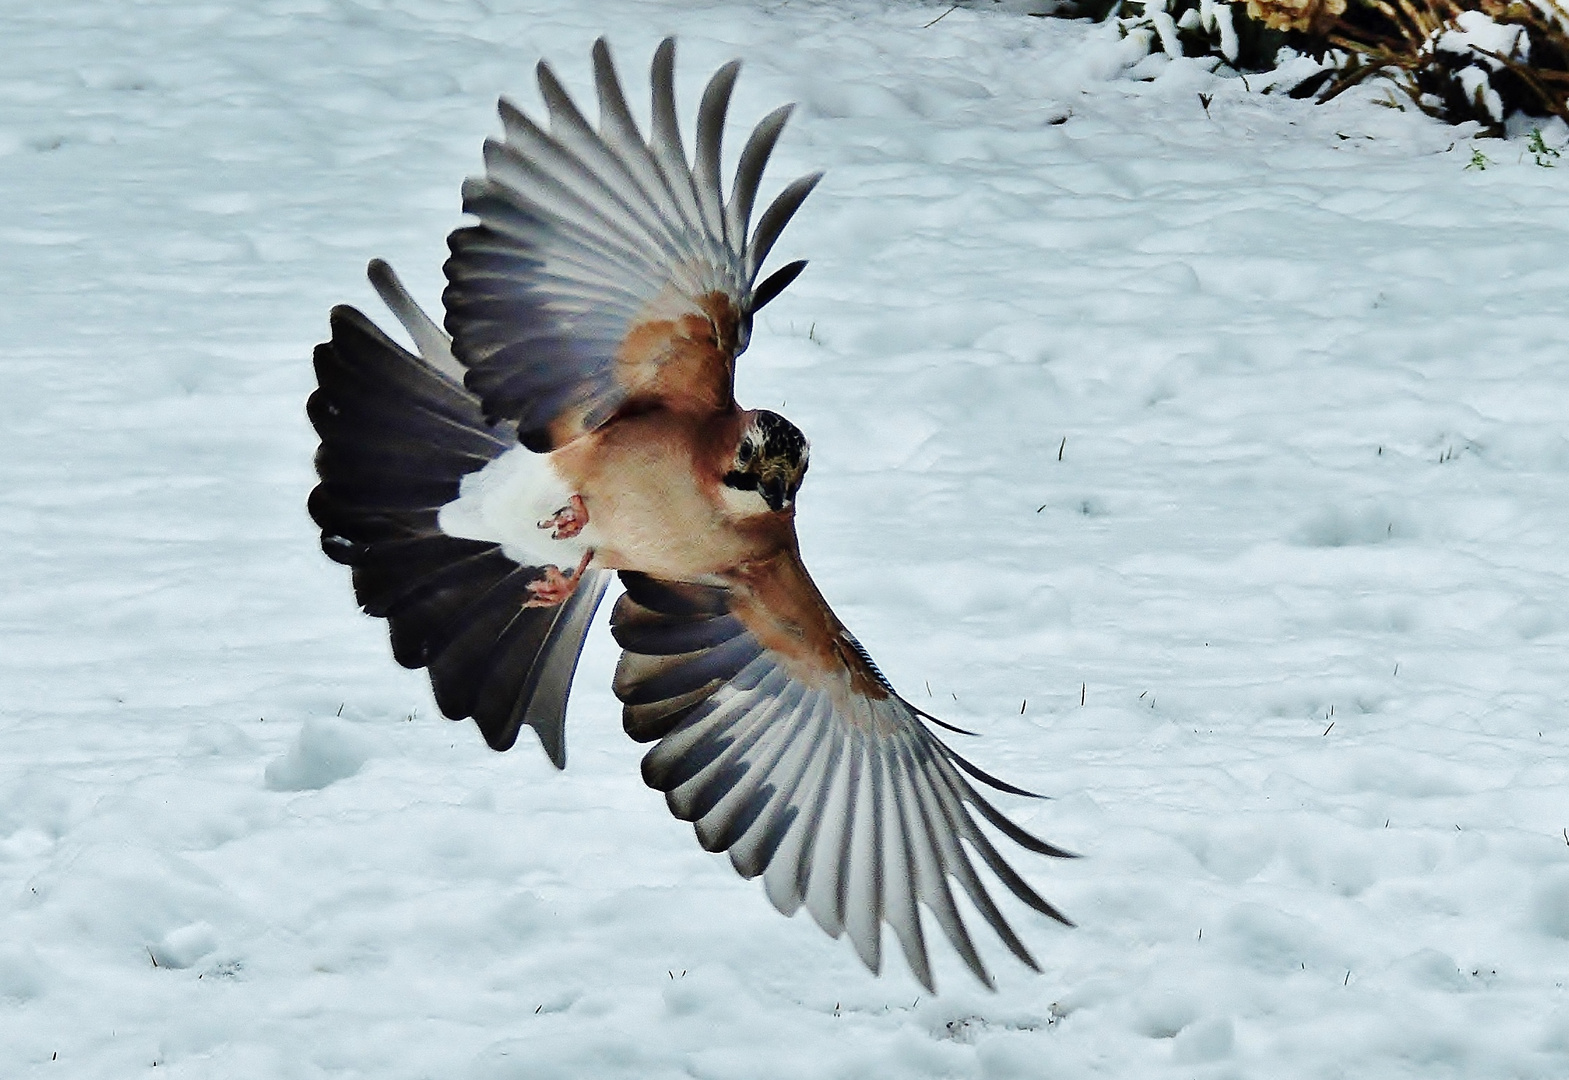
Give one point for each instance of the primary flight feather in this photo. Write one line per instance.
(576, 418)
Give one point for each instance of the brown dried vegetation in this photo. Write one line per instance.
(1304, 16)
(1404, 41)
(1443, 55)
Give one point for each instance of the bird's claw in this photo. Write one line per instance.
(557, 588)
(568, 521)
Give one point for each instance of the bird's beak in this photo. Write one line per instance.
(773, 491)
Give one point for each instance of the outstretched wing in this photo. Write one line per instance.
(783, 744)
(605, 270)
(398, 434)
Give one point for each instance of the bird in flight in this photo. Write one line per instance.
(576, 419)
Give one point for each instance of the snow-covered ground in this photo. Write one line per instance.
(1212, 461)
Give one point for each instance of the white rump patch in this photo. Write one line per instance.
(504, 503)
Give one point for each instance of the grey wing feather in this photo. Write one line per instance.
(710, 130)
(585, 234)
(669, 153)
(775, 218)
(749, 171)
(853, 809)
(433, 344)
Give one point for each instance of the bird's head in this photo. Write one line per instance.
(770, 460)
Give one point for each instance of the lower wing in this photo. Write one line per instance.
(807, 767)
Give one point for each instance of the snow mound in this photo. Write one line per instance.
(325, 751)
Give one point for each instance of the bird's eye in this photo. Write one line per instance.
(744, 454)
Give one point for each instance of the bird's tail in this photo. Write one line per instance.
(398, 433)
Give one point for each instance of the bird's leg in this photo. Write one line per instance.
(557, 588)
(568, 521)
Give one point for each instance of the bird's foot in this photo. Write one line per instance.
(568, 521)
(556, 587)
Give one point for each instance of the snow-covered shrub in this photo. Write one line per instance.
(1458, 60)
(1461, 61)
(1202, 28)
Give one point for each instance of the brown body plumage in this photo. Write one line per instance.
(652, 485)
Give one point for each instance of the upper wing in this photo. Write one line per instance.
(605, 269)
(784, 745)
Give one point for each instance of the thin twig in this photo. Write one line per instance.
(941, 17)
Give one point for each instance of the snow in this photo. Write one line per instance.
(1475, 35)
(1241, 424)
